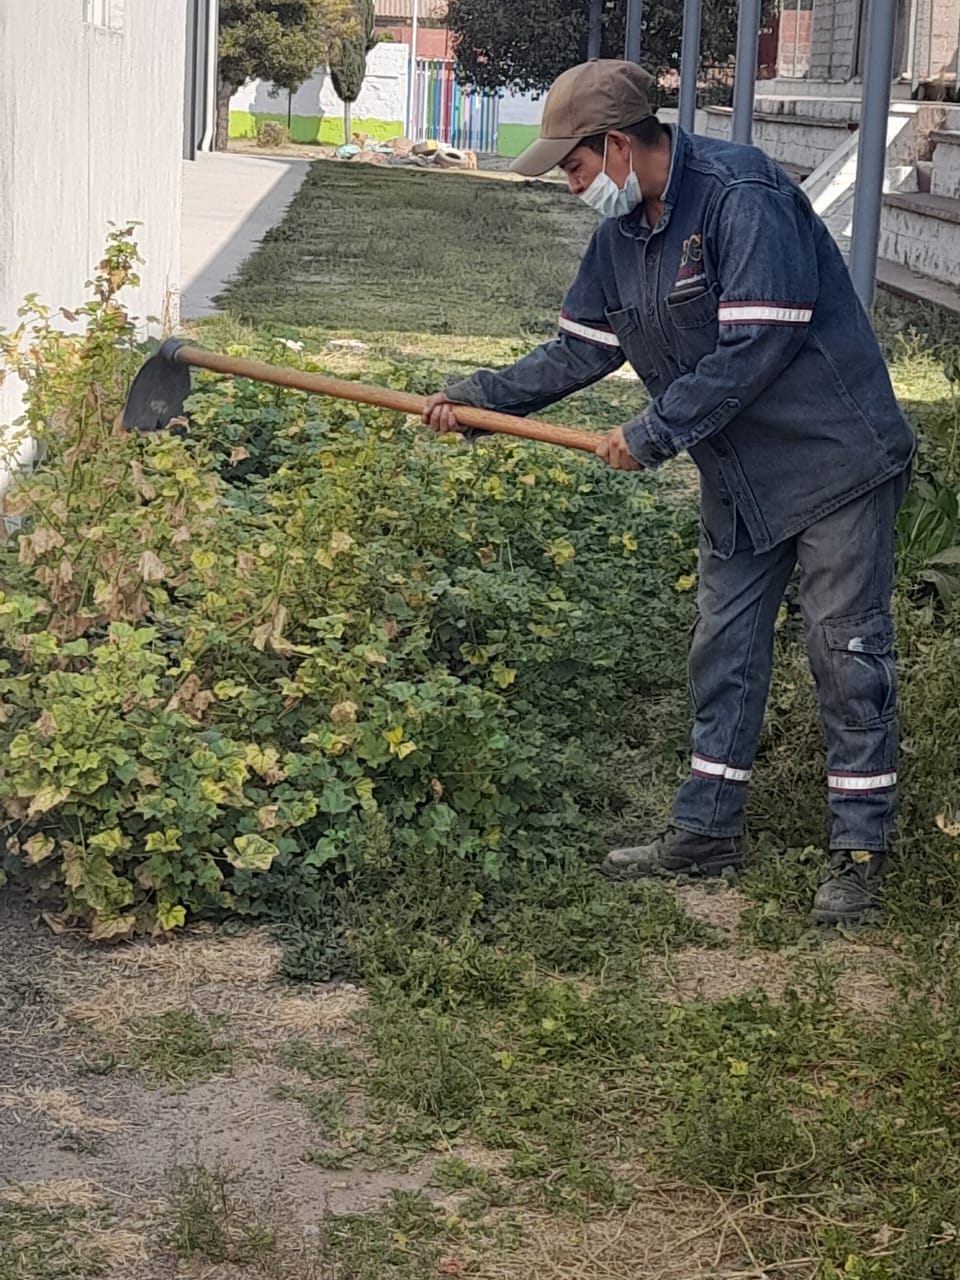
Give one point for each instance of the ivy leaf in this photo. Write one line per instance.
(334, 799)
(170, 916)
(252, 853)
(38, 847)
(47, 798)
(107, 928)
(150, 567)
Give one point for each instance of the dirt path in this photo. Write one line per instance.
(103, 1094)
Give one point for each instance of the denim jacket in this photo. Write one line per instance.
(738, 314)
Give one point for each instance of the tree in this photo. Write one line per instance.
(348, 64)
(523, 45)
(282, 41)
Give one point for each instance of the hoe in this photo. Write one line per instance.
(162, 386)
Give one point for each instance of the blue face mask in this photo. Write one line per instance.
(606, 198)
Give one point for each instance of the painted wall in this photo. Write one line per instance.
(316, 113)
(106, 146)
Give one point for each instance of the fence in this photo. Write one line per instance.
(447, 112)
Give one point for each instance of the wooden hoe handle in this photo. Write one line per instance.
(385, 398)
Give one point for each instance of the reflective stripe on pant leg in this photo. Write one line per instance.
(846, 584)
(731, 657)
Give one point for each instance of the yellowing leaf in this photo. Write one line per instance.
(340, 542)
(364, 789)
(151, 567)
(561, 550)
(503, 676)
(252, 853)
(37, 848)
(344, 712)
(202, 560)
(405, 749)
(265, 761)
(394, 736)
(949, 826)
(686, 582)
(47, 798)
(170, 916)
(106, 928)
(267, 816)
(738, 1067)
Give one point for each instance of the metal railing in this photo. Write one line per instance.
(451, 113)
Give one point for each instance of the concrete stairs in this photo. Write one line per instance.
(920, 224)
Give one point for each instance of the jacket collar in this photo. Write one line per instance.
(635, 224)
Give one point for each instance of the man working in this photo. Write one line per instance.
(713, 277)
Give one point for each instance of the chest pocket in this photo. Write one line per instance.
(696, 329)
(626, 325)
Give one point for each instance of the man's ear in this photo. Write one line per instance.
(618, 139)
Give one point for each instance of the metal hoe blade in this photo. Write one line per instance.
(158, 394)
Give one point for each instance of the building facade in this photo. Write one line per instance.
(92, 101)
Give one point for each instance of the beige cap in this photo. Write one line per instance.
(593, 97)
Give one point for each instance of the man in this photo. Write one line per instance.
(713, 277)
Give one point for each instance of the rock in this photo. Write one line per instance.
(452, 158)
(401, 146)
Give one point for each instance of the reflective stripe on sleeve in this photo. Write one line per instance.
(589, 333)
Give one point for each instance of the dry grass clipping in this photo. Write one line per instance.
(58, 1108)
(57, 1193)
(862, 979)
(109, 992)
(85, 1240)
(671, 1232)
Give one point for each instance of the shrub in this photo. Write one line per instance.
(303, 637)
(272, 134)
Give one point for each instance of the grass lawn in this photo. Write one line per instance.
(539, 1076)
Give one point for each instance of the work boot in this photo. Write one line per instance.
(852, 889)
(676, 853)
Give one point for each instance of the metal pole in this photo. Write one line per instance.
(745, 72)
(872, 148)
(595, 36)
(634, 30)
(690, 63)
(412, 72)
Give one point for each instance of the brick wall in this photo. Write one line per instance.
(432, 42)
(938, 22)
(796, 34)
(834, 41)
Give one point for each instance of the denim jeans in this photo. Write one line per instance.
(846, 565)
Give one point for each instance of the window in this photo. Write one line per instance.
(107, 14)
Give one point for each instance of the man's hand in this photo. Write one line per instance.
(440, 414)
(614, 452)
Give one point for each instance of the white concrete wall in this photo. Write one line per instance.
(929, 246)
(91, 131)
(383, 96)
(945, 179)
(521, 108)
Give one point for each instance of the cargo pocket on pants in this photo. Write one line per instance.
(861, 668)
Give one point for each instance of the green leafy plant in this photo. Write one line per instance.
(301, 639)
(928, 534)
